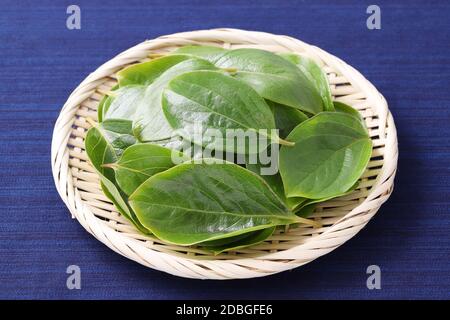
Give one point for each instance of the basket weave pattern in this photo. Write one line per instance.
(78, 184)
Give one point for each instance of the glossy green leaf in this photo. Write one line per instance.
(118, 133)
(100, 151)
(146, 72)
(104, 144)
(274, 181)
(133, 82)
(225, 241)
(192, 150)
(294, 203)
(113, 193)
(264, 170)
(273, 77)
(173, 143)
(304, 207)
(192, 203)
(345, 108)
(150, 121)
(102, 106)
(306, 211)
(286, 118)
(120, 201)
(124, 103)
(331, 152)
(315, 75)
(238, 242)
(308, 202)
(139, 96)
(209, 100)
(140, 162)
(209, 53)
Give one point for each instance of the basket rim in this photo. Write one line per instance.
(350, 223)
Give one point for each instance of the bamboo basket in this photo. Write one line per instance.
(78, 184)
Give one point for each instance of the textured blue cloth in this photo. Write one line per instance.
(42, 61)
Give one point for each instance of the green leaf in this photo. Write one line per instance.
(174, 143)
(120, 201)
(224, 241)
(210, 100)
(113, 193)
(345, 108)
(146, 72)
(315, 75)
(140, 162)
(306, 211)
(308, 202)
(118, 134)
(192, 203)
(274, 181)
(209, 53)
(124, 103)
(139, 97)
(331, 152)
(100, 151)
(192, 150)
(238, 242)
(130, 93)
(264, 168)
(273, 77)
(286, 118)
(102, 106)
(294, 203)
(104, 143)
(149, 119)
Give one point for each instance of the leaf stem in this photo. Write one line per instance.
(286, 143)
(230, 70)
(310, 222)
(109, 165)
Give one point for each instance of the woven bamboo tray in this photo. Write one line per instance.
(78, 184)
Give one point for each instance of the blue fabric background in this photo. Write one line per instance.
(42, 61)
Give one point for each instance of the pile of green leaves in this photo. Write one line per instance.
(324, 145)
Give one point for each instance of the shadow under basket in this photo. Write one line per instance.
(341, 218)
